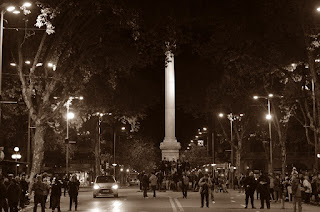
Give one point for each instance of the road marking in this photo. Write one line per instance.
(233, 201)
(242, 205)
(172, 205)
(231, 197)
(178, 204)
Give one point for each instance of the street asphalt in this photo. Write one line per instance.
(131, 200)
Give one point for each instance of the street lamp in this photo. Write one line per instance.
(12, 9)
(70, 115)
(269, 118)
(16, 156)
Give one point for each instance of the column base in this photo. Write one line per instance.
(170, 149)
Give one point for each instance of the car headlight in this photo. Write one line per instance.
(96, 187)
(115, 187)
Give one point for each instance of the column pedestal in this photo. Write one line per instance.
(170, 149)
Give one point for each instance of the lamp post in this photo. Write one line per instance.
(114, 148)
(70, 115)
(16, 156)
(269, 118)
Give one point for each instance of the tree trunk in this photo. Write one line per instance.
(38, 152)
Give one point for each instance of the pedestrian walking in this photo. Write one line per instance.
(204, 184)
(3, 196)
(185, 185)
(47, 189)
(153, 182)
(145, 185)
(73, 189)
(38, 188)
(249, 184)
(296, 192)
(13, 195)
(264, 185)
(55, 194)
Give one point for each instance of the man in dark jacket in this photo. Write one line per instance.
(250, 185)
(55, 194)
(13, 194)
(145, 185)
(24, 189)
(73, 189)
(3, 195)
(39, 188)
(264, 185)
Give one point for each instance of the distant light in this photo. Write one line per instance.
(123, 128)
(114, 164)
(197, 136)
(11, 8)
(16, 149)
(191, 141)
(317, 60)
(318, 9)
(241, 114)
(55, 97)
(101, 114)
(270, 95)
(189, 144)
(268, 116)
(293, 65)
(27, 4)
(81, 97)
(255, 97)
(206, 170)
(213, 164)
(13, 64)
(220, 115)
(70, 115)
(200, 133)
(27, 62)
(121, 169)
(188, 147)
(50, 65)
(16, 12)
(205, 129)
(128, 170)
(318, 155)
(39, 64)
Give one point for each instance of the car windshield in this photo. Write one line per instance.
(105, 179)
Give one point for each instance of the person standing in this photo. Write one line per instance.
(249, 184)
(205, 185)
(73, 189)
(55, 194)
(264, 184)
(3, 196)
(24, 190)
(185, 185)
(277, 188)
(307, 189)
(145, 185)
(38, 188)
(153, 182)
(13, 194)
(296, 192)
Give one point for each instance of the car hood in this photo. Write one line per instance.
(105, 185)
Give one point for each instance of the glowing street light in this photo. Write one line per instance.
(70, 115)
(318, 9)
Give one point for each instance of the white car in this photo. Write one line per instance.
(105, 185)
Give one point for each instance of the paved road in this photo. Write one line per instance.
(130, 200)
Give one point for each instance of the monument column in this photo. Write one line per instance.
(170, 147)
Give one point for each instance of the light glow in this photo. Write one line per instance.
(270, 95)
(255, 97)
(27, 62)
(16, 149)
(26, 4)
(16, 12)
(70, 115)
(204, 129)
(318, 9)
(11, 8)
(96, 187)
(220, 115)
(13, 64)
(268, 117)
(115, 187)
(123, 128)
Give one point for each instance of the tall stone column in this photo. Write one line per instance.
(170, 147)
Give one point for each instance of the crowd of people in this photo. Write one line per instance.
(14, 195)
(294, 187)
